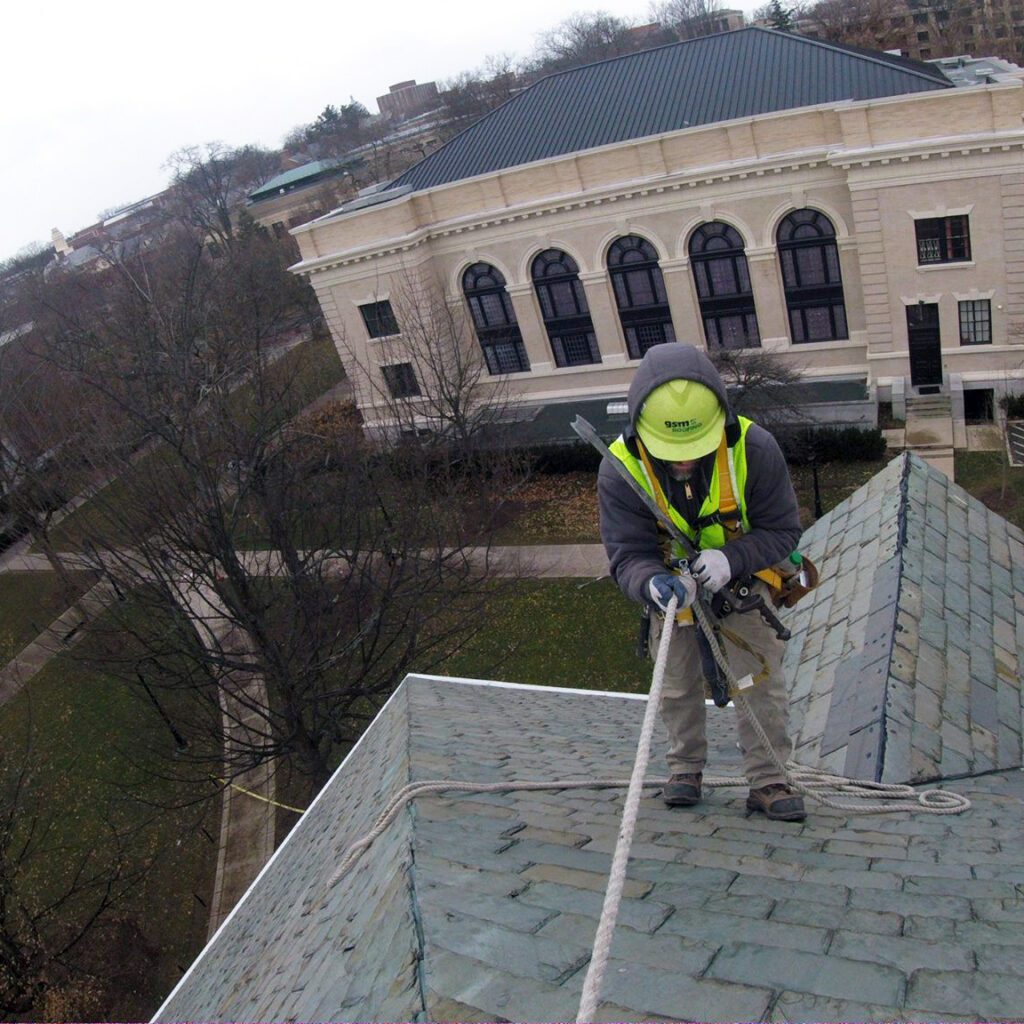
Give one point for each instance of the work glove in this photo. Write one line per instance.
(667, 585)
(712, 570)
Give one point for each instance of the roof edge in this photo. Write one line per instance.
(393, 699)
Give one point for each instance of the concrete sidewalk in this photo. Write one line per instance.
(932, 438)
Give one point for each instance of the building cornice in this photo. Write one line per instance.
(692, 178)
(829, 157)
(921, 150)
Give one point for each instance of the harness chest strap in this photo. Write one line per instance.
(685, 615)
(729, 510)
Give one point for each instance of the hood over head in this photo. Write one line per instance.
(674, 361)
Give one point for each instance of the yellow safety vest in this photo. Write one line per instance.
(723, 512)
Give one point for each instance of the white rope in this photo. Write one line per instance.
(868, 797)
(617, 876)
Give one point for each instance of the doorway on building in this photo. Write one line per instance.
(979, 405)
(925, 347)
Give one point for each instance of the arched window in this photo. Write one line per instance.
(494, 319)
(723, 287)
(563, 305)
(811, 277)
(639, 294)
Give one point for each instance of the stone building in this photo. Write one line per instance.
(853, 212)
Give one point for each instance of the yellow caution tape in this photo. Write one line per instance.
(259, 796)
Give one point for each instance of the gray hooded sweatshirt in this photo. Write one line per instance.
(629, 530)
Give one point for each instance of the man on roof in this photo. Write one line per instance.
(682, 436)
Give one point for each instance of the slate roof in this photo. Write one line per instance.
(906, 662)
(701, 81)
(483, 907)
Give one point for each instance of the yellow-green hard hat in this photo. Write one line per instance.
(681, 420)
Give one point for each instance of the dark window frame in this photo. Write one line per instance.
(806, 241)
(564, 309)
(943, 239)
(718, 257)
(974, 317)
(379, 318)
(640, 296)
(401, 380)
(494, 320)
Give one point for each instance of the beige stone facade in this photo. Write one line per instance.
(873, 168)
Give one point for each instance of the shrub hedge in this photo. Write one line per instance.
(825, 444)
(1013, 406)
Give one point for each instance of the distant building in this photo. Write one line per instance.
(407, 99)
(930, 29)
(850, 211)
(302, 193)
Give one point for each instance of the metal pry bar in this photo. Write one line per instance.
(587, 433)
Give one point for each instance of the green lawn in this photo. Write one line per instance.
(29, 602)
(97, 748)
(559, 633)
(987, 477)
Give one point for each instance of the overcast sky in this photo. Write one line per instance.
(96, 96)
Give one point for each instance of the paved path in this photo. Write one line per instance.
(62, 634)
(248, 821)
(921, 436)
(931, 437)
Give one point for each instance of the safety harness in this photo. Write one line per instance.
(783, 580)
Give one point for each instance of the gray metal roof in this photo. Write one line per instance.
(906, 662)
(484, 907)
(701, 81)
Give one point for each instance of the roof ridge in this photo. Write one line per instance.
(550, 76)
(905, 63)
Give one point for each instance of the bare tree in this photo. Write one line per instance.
(437, 380)
(689, 19)
(48, 423)
(367, 571)
(213, 181)
(867, 23)
(472, 94)
(582, 39)
(47, 916)
(761, 386)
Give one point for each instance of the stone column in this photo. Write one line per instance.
(769, 298)
(605, 317)
(682, 302)
(531, 326)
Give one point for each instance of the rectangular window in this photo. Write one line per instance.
(379, 319)
(922, 37)
(976, 322)
(576, 348)
(401, 380)
(943, 240)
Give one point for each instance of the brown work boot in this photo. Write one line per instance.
(778, 802)
(682, 790)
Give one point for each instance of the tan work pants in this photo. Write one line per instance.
(682, 701)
